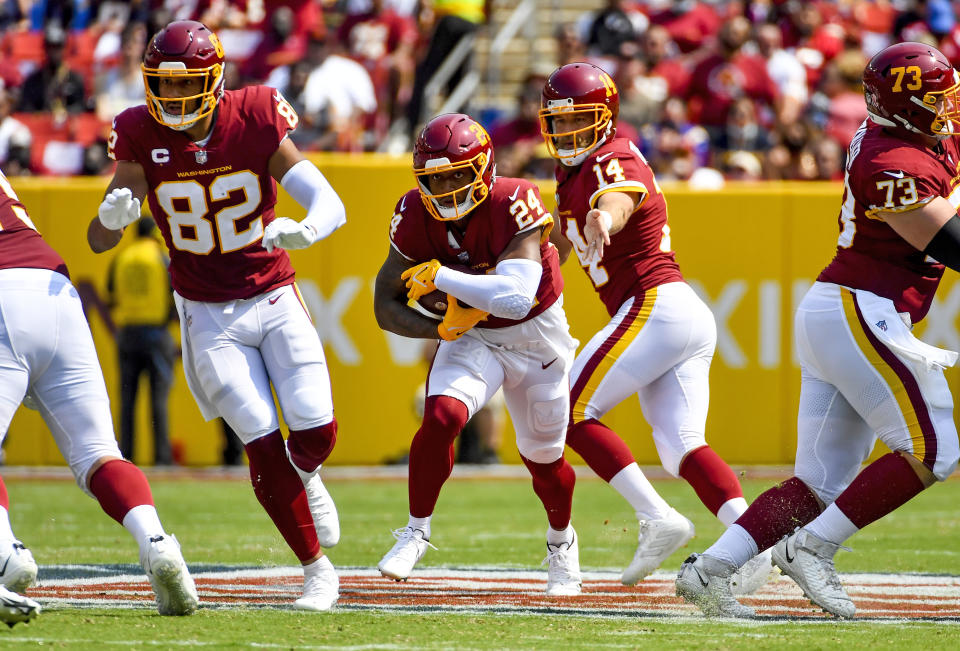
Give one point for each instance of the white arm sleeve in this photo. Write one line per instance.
(509, 293)
(310, 188)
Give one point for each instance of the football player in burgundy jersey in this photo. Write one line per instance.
(514, 335)
(864, 375)
(660, 340)
(48, 361)
(208, 160)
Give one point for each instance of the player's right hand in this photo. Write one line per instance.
(597, 232)
(419, 279)
(119, 209)
(458, 319)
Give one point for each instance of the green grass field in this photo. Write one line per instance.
(477, 523)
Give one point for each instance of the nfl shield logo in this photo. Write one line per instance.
(201, 157)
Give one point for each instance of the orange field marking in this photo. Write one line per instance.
(883, 597)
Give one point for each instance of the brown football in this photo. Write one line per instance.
(434, 304)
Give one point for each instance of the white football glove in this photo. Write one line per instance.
(119, 209)
(284, 233)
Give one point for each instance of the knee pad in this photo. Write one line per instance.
(946, 463)
(443, 418)
(309, 448)
(303, 411)
(826, 494)
(547, 419)
(673, 452)
(80, 466)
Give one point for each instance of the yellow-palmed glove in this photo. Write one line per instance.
(458, 319)
(419, 279)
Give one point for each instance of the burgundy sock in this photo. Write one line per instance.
(778, 511)
(119, 486)
(882, 487)
(280, 491)
(311, 447)
(431, 452)
(711, 478)
(553, 484)
(600, 447)
(4, 498)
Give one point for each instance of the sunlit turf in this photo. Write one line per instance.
(477, 523)
(244, 628)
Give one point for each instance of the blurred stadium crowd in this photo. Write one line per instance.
(768, 89)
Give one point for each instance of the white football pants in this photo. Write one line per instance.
(531, 361)
(864, 375)
(658, 347)
(46, 349)
(233, 351)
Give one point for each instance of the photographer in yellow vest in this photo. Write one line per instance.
(139, 290)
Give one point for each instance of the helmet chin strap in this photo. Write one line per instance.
(177, 122)
(453, 211)
(570, 160)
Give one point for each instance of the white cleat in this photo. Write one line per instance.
(405, 553)
(704, 581)
(18, 570)
(321, 586)
(808, 560)
(656, 541)
(16, 608)
(324, 511)
(169, 576)
(753, 575)
(563, 569)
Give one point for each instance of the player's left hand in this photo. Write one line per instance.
(597, 232)
(419, 279)
(459, 319)
(284, 233)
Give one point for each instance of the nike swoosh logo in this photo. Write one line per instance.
(403, 203)
(898, 175)
(786, 552)
(3, 570)
(515, 193)
(607, 155)
(274, 299)
(548, 364)
(700, 576)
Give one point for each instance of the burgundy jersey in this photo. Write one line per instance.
(638, 258)
(212, 201)
(513, 207)
(20, 244)
(886, 173)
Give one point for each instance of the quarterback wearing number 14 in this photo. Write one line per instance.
(208, 159)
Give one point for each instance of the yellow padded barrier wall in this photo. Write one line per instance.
(751, 250)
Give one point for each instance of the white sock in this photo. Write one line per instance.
(321, 563)
(423, 524)
(731, 510)
(562, 537)
(832, 525)
(634, 486)
(143, 523)
(6, 533)
(735, 546)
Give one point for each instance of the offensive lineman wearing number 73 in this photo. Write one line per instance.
(208, 159)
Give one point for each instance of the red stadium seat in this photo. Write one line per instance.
(57, 147)
(23, 47)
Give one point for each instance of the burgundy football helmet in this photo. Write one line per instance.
(449, 142)
(579, 90)
(913, 86)
(184, 48)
